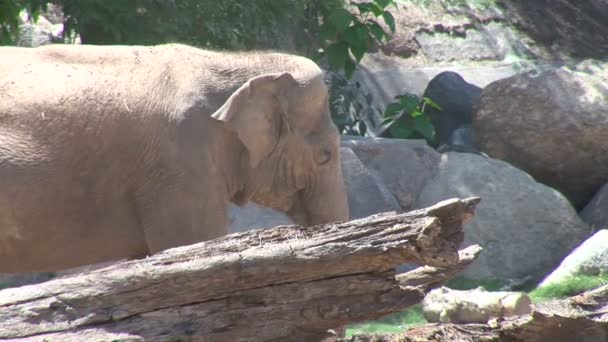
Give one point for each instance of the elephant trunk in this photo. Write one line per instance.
(327, 201)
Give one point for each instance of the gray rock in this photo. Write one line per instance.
(15, 280)
(553, 125)
(525, 228)
(382, 78)
(254, 216)
(367, 193)
(405, 166)
(493, 41)
(595, 212)
(571, 28)
(590, 258)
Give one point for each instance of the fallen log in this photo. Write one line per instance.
(283, 283)
(579, 318)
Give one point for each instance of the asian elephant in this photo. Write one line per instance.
(114, 152)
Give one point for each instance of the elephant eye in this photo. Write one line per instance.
(324, 156)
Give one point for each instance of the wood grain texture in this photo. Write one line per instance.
(283, 283)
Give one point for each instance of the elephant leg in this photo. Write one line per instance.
(179, 216)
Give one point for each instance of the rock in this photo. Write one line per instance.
(367, 193)
(570, 29)
(553, 125)
(444, 305)
(590, 258)
(405, 166)
(445, 31)
(455, 96)
(15, 280)
(595, 212)
(382, 78)
(254, 216)
(492, 41)
(524, 227)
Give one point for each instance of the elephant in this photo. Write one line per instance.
(119, 152)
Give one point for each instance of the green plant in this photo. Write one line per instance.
(569, 287)
(406, 118)
(349, 104)
(394, 323)
(346, 36)
(228, 24)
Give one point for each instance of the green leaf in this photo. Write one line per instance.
(383, 3)
(357, 36)
(349, 67)
(424, 126)
(409, 102)
(392, 110)
(341, 19)
(389, 20)
(327, 32)
(364, 7)
(362, 33)
(358, 51)
(370, 7)
(376, 30)
(416, 112)
(401, 130)
(430, 102)
(350, 35)
(337, 55)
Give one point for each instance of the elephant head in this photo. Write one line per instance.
(292, 160)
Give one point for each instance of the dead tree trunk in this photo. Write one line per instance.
(284, 283)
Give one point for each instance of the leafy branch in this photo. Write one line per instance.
(406, 117)
(347, 36)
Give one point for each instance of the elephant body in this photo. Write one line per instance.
(119, 152)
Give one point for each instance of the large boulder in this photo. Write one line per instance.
(404, 166)
(524, 227)
(595, 212)
(367, 193)
(590, 258)
(553, 125)
(566, 28)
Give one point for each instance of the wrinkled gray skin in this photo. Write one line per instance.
(119, 152)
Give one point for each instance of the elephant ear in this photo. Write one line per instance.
(257, 112)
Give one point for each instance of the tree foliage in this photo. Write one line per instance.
(348, 35)
(337, 33)
(227, 24)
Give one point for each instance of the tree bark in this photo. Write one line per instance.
(283, 283)
(579, 318)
